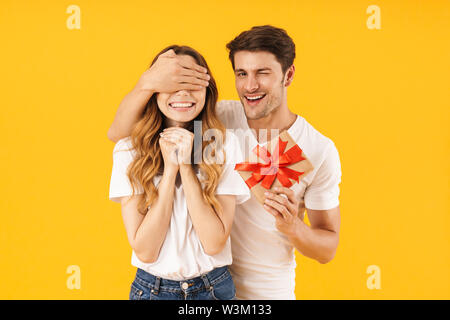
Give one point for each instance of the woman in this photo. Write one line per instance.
(177, 210)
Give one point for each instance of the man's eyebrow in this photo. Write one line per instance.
(261, 69)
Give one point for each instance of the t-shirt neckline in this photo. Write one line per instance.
(292, 130)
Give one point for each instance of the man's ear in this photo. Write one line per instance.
(289, 76)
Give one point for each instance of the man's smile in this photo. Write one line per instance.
(254, 99)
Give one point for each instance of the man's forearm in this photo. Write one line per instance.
(317, 244)
(128, 113)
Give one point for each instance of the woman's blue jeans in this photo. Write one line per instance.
(214, 285)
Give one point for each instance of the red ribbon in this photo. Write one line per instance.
(274, 166)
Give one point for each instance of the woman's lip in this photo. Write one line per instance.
(182, 102)
(182, 109)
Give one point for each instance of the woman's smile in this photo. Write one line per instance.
(182, 106)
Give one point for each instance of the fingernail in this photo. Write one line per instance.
(267, 193)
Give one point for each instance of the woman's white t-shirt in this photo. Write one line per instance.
(182, 255)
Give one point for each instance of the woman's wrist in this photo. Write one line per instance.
(185, 168)
(170, 172)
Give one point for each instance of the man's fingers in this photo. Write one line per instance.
(168, 53)
(193, 80)
(271, 210)
(278, 207)
(282, 199)
(278, 217)
(287, 191)
(190, 87)
(195, 74)
(185, 62)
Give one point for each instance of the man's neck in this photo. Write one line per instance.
(280, 119)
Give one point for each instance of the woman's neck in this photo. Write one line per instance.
(173, 123)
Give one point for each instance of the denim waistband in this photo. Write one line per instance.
(205, 280)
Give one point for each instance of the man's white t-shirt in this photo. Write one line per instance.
(181, 256)
(263, 259)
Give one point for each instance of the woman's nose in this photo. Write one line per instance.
(183, 93)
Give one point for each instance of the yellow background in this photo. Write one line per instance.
(381, 95)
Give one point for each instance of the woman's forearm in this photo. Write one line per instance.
(207, 224)
(151, 234)
(128, 113)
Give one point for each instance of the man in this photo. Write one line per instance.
(263, 237)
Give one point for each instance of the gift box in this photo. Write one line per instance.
(281, 163)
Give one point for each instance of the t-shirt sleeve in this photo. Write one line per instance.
(323, 192)
(231, 182)
(120, 185)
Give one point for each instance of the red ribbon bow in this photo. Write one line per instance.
(274, 166)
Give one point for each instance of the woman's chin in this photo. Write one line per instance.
(183, 115)
(180, 120)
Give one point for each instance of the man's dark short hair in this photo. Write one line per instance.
(265, 38)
